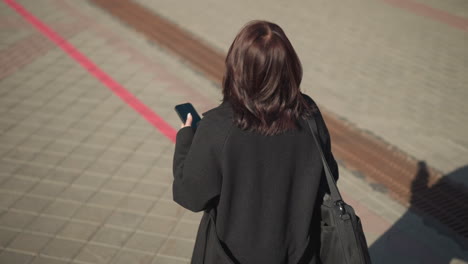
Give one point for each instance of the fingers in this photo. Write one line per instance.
(188, 122)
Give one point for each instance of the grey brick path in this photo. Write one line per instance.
(85, 179)
(398, 75)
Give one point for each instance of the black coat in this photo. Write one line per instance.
(263, 188)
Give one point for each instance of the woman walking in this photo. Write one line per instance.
(252, 165)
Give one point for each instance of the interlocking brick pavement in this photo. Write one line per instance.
(396, 74)
(85, 179)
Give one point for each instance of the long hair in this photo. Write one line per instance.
(262, 79)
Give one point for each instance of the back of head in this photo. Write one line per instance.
(262, 80)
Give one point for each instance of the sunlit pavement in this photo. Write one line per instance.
(84, 178)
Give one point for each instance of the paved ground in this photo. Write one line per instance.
(389, 70)
(85, 179)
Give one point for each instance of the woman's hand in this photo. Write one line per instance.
(188, 122)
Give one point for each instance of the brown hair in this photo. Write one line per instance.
(262, 79)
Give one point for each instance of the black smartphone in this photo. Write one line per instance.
(183, 109)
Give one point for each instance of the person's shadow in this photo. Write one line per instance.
(425, 233)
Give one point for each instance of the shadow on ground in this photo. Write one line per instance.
(418, 237)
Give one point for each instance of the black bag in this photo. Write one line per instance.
(342, 239)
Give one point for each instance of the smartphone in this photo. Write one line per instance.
(183, 109)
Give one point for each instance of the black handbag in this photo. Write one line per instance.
(342, 239)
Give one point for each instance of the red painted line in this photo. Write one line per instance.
(94, 70)
(433, 13)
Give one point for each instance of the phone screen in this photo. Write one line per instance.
(183, 109)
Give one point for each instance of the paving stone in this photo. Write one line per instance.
(168, 195)
(29, 242)
(110, 128)
(115, 155)
(46, 133)
(16, 219)
(31, 204)
(136, 204)
(62, 208)
(164, 162)
(86, 125)
(69, 135)
(4, 149)
(14, 257)
(100, 140)
(91, 253)
(90, 180)
(186, 230)
(159, 175)
(177, 247)
(6, 236)
(38, 143)
(12, 139)
(106, 199)
(9, 166)
(153, 191)
(8, 198)
(18, 184)
(153, 147)
(48, 158)
(158, 225)
(124, 257)
(90, 151)
(191, 216)
(124, 219)
(75, 163)
(60, 147)
(103, 167)
(63, 248)
(126, 144)
(169, 260)
(47, 260)
(167, 208)
(138, 132)
(46, 224)
(142, 160)
(145, 242)
(61, 175)
(48, 188)
(92, 213)
(131, 171)
(77, 231)
(111, 236)
(76, 194)
(21, 154)
(119, 185)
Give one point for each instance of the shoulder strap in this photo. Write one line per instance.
(335, 194)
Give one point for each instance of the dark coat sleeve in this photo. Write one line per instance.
(196, 169)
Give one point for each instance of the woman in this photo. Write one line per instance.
(252, 164)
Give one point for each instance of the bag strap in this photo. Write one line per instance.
(335, 194)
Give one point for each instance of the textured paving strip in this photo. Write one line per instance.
(388, 71)
(422, 9)
(85, 179)
(379, 161)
